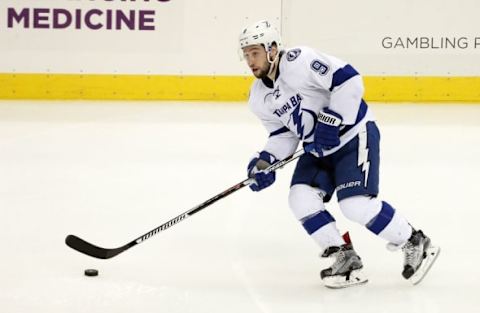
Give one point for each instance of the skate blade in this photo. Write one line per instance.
(432, 255)
(337, 282)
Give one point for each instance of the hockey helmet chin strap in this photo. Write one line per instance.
(272, 62)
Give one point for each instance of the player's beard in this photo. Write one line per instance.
(263, 72)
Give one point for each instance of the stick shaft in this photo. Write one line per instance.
(87, 248)
(217, 197)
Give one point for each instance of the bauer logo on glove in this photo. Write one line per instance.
(327, 131)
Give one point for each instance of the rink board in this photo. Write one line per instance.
(219, 88)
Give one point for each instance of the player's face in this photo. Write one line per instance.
(256, 58)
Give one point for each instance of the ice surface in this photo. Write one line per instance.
(110, 172)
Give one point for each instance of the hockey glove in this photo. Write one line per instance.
(256, 168)
(327, 130)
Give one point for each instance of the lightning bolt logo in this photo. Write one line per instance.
(297, 120)
(363, 153)
(276, 93)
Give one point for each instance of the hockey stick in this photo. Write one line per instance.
(87, 248)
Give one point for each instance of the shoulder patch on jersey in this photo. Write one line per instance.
(319, 67)
(293, 54)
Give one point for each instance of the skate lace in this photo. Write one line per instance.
(340, 257)
(411, 253)
(339, 261)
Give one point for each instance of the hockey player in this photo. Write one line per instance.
(301, 95)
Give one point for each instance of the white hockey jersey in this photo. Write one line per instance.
(307, 82)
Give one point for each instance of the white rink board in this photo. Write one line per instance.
(199, 37)
(193, 37)
(428, 37)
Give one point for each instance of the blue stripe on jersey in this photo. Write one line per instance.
(279, 131)
(342, 75)
(317, 221)
(379, 222)
(362, 111)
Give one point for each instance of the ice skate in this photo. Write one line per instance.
(346, 271)
(419, 256)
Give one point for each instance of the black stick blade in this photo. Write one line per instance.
(87, 248)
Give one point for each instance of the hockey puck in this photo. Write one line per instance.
(91, 272)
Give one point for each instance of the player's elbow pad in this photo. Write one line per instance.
(346, 99)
